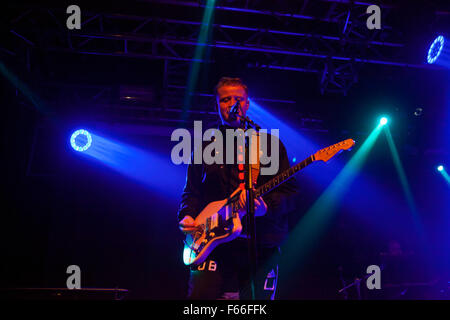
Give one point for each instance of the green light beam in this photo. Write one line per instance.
(202, 43)
(403, 179)
(445, 175)
(310, 228)
(23, 88)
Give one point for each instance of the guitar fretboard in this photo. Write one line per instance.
(282, 177)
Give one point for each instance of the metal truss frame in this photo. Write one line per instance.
(300, 42)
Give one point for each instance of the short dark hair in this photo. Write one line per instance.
(227, 81)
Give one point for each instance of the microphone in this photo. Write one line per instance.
(235, 110)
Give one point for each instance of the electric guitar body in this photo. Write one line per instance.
(218, 222)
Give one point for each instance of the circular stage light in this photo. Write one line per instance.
(440, 168)
(435, 49)
(383, 121)
(81, 140)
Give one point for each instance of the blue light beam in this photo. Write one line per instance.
(149, 168)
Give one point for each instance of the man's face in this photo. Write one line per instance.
(227, 96)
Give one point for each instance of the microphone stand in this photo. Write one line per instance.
(341, 277)
(252, 250)
(357, 283)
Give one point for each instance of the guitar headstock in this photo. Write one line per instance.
(329, 152)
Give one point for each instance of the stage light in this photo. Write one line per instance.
(440, 168)
(81, 140)
(418, 112)
(435, 49)
(383, 121)
(294, 160)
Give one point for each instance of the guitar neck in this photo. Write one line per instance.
(282, 177)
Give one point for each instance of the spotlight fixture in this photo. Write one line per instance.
(81, 140)
(418, 112)
(383, 121)
(440, 168)
(435, 49)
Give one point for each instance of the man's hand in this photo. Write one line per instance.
(260, 205)
(187, 225)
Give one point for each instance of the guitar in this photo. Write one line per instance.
(220, 221)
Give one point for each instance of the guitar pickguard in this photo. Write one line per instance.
(218, 227)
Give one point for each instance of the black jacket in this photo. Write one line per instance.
(207, 183)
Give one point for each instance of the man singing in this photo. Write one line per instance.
(226, 272)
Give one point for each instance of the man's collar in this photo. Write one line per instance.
(223, 127)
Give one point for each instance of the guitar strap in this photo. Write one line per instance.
(255, 152)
